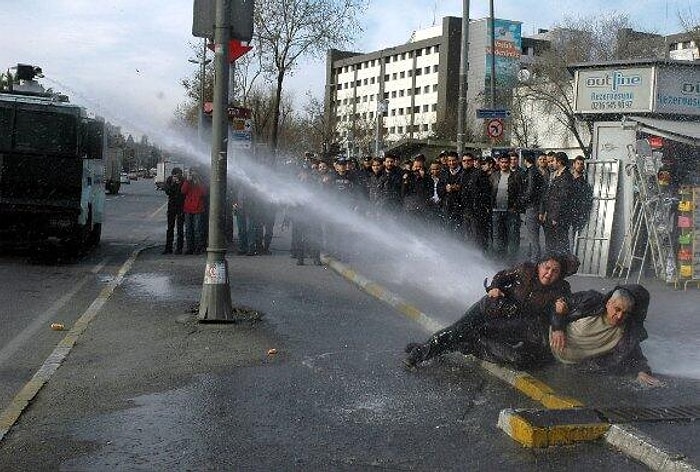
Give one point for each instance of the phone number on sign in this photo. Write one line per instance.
(617, 105)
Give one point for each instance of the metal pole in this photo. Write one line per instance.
(215, 304)
(493, 56)
(463, 78)
(202, 79)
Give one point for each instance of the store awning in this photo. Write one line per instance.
(687, 132)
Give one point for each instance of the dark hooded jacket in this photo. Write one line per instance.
(627, 355)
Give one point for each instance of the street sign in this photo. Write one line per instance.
(240, 19)
(494, 128)
(236, 49)
(490, 114)
(241, 120)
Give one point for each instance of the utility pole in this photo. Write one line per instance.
(493, 55)
(463, 78)
(215, 304)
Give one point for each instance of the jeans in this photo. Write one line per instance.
(194, 232)
(175, 220)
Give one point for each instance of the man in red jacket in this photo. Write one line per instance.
(195, 192)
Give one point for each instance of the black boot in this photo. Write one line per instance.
(417, 353)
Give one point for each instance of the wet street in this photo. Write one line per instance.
(317, 384)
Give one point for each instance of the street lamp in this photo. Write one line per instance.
(202, 75)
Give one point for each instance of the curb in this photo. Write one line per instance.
(627, 439)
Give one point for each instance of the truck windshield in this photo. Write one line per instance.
(40, 132)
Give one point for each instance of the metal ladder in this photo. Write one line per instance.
(651, 212)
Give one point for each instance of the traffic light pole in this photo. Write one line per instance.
(215, 304)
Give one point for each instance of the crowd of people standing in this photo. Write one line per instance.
(482, 201)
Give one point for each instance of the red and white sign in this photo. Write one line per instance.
(494, 128)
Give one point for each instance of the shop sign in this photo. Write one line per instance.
(614, 90)
(678, 91)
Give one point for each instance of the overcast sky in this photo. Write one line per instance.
(124, 59)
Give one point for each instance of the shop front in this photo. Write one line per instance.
(645, 169)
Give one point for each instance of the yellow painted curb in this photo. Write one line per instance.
(534, 436)
(532, 387)
(560, 402)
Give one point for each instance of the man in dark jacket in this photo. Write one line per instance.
(454, 198)
(176, 212)
(603, 332)
(533, 188)
(555, 210)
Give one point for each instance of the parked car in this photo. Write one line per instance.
(124, 178)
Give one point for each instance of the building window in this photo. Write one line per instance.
(373, 62)
(435, 69)
(365, 82)
(392, 130)
(400, 129)
(386, 77)
(394, 76)
(426, 108)
(427, 50)
(396, 58)
(426, 89)
(393, 112)
(434, 87)
(400, 111)
(364, 98)
(393, 94)
(401, 93)
(345, 101)
(416, 91)
(387, 59)
(436, 48)
(425, 127)
(416, 109)
(371, 80)
(358, 83)
(418, 72)
(426, 70)
(386, 94)
(364, 115)
(403, 74)
(408, 92)
(419, 52)
(403, 55)
(434, 106)
(410, 73)
(339, 87)
(371, 98)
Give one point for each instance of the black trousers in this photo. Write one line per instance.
(513, 340)
(176, 218)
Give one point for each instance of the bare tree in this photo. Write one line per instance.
(287, 30)
(586, 39)
(690, 22)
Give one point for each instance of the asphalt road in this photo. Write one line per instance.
(147, 388)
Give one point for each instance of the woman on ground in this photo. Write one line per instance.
(510, 324)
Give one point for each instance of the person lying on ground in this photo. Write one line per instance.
(603, 332)
(509, 324)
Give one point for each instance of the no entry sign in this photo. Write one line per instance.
(494, 128)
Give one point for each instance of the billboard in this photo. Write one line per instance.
(507, 49)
